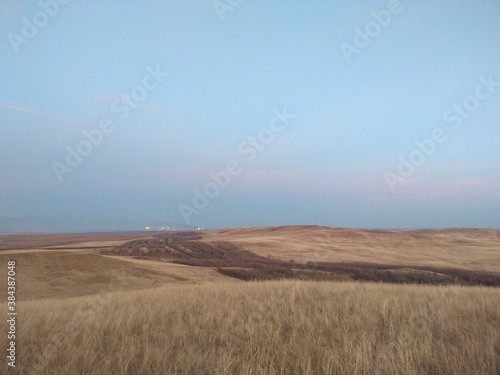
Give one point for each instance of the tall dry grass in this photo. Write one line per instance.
(267, 328)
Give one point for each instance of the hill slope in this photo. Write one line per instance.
(467, 248)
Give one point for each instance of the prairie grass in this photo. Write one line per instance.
(276, 327)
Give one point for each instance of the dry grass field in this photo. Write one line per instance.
(160, 303)
(40, 240)
(280, 327)
(462, 248)
(63, 274)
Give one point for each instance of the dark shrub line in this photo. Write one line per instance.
(233, 260)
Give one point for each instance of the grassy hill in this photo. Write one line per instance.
(469, 248)
(271, 328)
(175, 303)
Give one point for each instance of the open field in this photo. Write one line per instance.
(40, 240)
(468, 248)
(175, 303)
(63, 274)
(230, 252)
(69, 265)
(282, 327)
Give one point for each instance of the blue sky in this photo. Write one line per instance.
(224, 74)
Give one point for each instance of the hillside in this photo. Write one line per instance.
(469, 248)
(175, 303)
(66, 265)
(466, 257)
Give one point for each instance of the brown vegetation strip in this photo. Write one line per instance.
(233, 260)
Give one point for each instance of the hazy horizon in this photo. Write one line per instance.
(119, 115)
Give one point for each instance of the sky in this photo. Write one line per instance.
(117, 115)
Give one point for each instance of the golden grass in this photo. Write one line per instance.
(189, 274)
(83, 313)
(9, 241)
(267, 328)
(62, 274)
(469, 248)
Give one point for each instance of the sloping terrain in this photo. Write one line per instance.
(172, 303)
(62, 274)
(233, 258)
(67, 265)
(467, 248)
